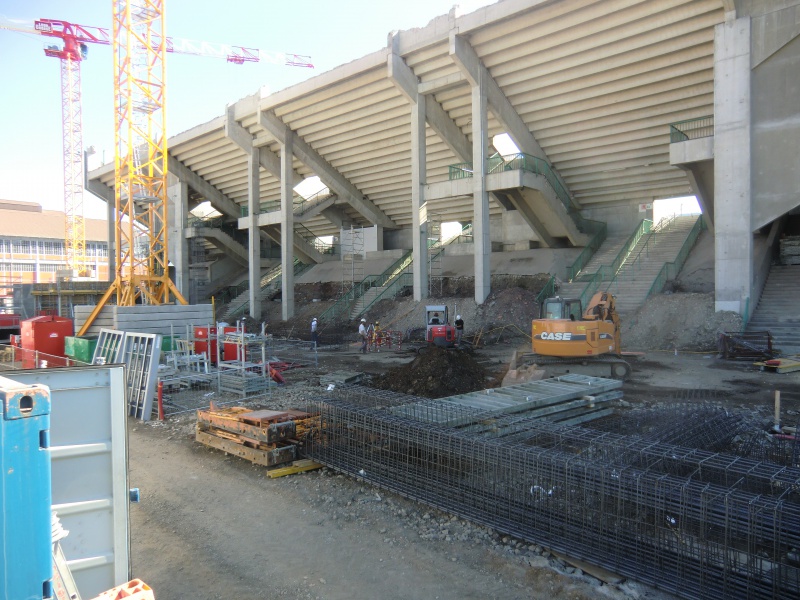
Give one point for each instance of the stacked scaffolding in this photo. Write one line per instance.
(435, 252)
(354, 251)
(696, 523)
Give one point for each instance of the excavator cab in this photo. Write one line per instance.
(561, 308)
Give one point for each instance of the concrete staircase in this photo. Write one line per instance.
(604, 256)
(778, 310)
(365, 300)
(640, 269)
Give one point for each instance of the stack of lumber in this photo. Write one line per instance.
(790, 250)
(264, 437)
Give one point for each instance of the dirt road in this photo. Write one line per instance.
(211, 526)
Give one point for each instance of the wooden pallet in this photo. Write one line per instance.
(264, 437)
(267, 456)
(779, 365)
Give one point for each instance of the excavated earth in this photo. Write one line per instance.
(436, 373)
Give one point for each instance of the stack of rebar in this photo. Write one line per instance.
(690, 521)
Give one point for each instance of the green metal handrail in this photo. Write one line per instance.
(548, 291)
(514, 162)
(633, 264)
(396, 269)
(401, 281)
(671, 269)
(401, 271)
(586, 254)
(691, 129)
(298, 268)
(300, 204)
(644, 228)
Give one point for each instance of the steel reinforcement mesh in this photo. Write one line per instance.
(692, 522)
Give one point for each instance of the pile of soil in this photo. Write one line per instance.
(677, 321)
(435, 373)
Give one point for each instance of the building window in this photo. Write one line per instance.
(22, 246)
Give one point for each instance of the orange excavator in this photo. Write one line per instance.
(568, 339)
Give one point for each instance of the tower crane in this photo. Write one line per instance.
(140, 162)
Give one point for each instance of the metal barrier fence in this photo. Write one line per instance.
(13, 358)
(693, 522)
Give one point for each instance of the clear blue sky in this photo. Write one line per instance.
(198, 88)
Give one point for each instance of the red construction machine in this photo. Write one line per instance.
(439, 332)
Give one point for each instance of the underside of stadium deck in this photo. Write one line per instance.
(611, 104)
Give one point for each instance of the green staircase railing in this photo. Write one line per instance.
(515, 162)
(391, 287)
(300, 204)
(671, 269)
(691, 129)
(319, 245)
(597, 239)
(273, 282)
(346, 300)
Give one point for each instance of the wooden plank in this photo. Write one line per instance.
(298, 466)
(593, 570)
(266, 458)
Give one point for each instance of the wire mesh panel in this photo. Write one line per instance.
(698, 524)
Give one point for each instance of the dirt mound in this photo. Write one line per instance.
(682, 321)
(435, 373)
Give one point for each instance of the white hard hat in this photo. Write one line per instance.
(314, 319)
(458, 316)
(363, 320)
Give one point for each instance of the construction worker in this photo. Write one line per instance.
(314, 333)
(377, 336)
(459, 329)
(362, 333)
(435, 319)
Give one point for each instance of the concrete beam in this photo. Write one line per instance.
(470, 64)
(480, 194)
(287, 228)
(733, 237)
(516, 198)
(326, 172)
(178, 195)
(254, 237)
(442, 84)
(216, 198)
(241, 137)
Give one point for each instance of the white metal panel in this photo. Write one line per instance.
(88, 438)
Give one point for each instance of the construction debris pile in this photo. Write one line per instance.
(435, 373)
(675, 514)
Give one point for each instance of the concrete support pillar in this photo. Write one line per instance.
(419, 221)
(732, 194)
(287, 228)
(178, 210)
(480, 195)
(254, 247)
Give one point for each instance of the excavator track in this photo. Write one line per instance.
(596, 366)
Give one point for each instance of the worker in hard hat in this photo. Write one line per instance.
(459, 329)
(435, 319)
(362, 333)
(314, 333)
